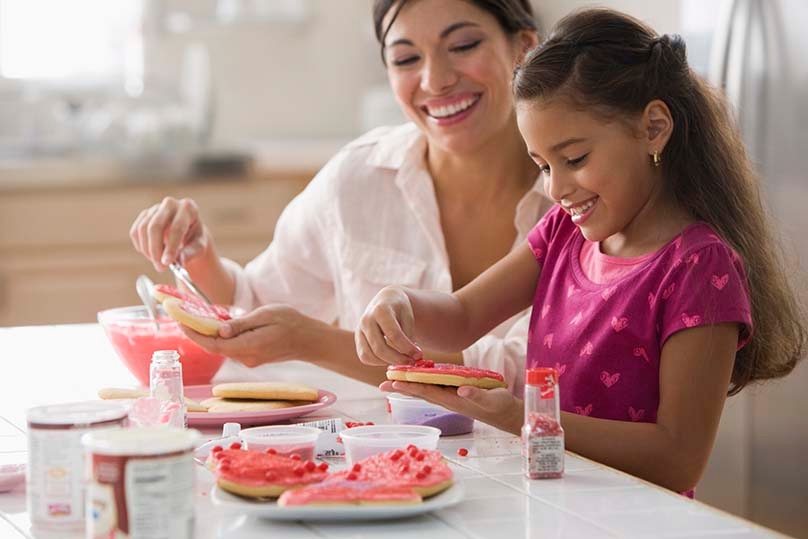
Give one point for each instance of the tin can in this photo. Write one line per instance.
(55, 478)
(140, 483)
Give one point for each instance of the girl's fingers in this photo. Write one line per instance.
(395, 336)
(364, 350)
(380, 348)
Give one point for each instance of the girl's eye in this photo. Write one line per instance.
(466, 46)
(544, 169)
(577, 161)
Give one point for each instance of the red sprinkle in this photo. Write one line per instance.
(351, 477)
(235, 445)
(425, 363)
(323, 466)
(216, 449)
(310, 465)
(462, 451)
(271, 451)
(295, 456)
(356, 467)
(397, 454)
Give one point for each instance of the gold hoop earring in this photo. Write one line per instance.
(657, 158)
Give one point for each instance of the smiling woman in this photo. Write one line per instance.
(431, 203)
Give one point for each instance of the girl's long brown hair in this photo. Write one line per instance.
(614, 65)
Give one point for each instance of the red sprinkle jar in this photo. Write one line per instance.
(542, 435)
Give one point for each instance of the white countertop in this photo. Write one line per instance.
(51, 364)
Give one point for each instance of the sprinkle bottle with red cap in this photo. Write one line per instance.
(542, 435)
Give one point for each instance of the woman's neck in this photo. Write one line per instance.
(500, 168)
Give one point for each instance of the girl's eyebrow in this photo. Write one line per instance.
(561, 145)
(443, 35)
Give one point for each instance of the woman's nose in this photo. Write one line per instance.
(437, 75)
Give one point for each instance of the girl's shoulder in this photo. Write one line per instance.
(699, 238)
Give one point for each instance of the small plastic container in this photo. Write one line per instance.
(286, 440)
(362, 442)
(406, 410)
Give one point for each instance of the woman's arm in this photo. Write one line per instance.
(397, 318)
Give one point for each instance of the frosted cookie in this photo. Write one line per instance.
(162, 292)
(266, 391)
(445, 374)
(346, 492)
(218, 405)
(422, 470)
(202, 318)
(260, 475)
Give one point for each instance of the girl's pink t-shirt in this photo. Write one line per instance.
(606, 338)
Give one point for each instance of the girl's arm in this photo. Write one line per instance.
(694, 377)
(695, 369)
(398, 317)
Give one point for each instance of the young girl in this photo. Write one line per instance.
(653, 283)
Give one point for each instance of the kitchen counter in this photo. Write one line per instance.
(51, 364)
(262, 159)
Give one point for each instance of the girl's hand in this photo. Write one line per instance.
(384, 334)
(497, 407)
(170, 231)
(268, 334)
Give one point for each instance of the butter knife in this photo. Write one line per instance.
(181, 274)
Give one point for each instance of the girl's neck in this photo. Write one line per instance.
(500, 168)
(654, 226)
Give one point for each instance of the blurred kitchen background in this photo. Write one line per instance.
(106, 107)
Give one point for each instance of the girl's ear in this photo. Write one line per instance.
(658, 125)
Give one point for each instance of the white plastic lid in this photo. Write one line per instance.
(77, 414)
(140, 441)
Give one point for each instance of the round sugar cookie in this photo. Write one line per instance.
(445, 374)
(218, 405)
(198, 317)
(255, 474)
(345, 492)
(289, 391)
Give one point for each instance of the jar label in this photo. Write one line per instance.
(545, 455)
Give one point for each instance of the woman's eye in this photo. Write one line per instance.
(577, 161)
(405, 61)
(463, 47)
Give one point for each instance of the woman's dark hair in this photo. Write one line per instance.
(512, 15)
(613, 65)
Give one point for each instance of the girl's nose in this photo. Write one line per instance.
(437, 75)
(556, 187)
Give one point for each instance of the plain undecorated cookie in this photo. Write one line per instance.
(218, 405)
(288, 391)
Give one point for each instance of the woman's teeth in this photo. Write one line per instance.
(580, 210)
(451, 110)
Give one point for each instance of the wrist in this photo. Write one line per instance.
(314, 339)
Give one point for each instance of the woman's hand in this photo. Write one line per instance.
(497, 407)
(384, 334)
(268, 334)
(170, 231)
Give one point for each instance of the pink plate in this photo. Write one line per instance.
(205, 419)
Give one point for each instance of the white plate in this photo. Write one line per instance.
(271, 510)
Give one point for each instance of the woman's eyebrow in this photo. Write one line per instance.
(443, 35)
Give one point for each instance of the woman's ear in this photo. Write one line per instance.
(658, 125)
(525, 41)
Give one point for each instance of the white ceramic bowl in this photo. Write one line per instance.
(286, 440)
(362, 442)
(405, 410)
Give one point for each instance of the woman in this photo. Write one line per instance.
(461, 167)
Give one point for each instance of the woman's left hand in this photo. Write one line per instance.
(497, 407)
(268, 334)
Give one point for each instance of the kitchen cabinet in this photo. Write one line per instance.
(65, 252)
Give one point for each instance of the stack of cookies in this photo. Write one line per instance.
(258, 396)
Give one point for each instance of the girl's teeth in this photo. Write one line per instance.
(580, 210)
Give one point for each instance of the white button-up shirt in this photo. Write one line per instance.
(369, 219)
